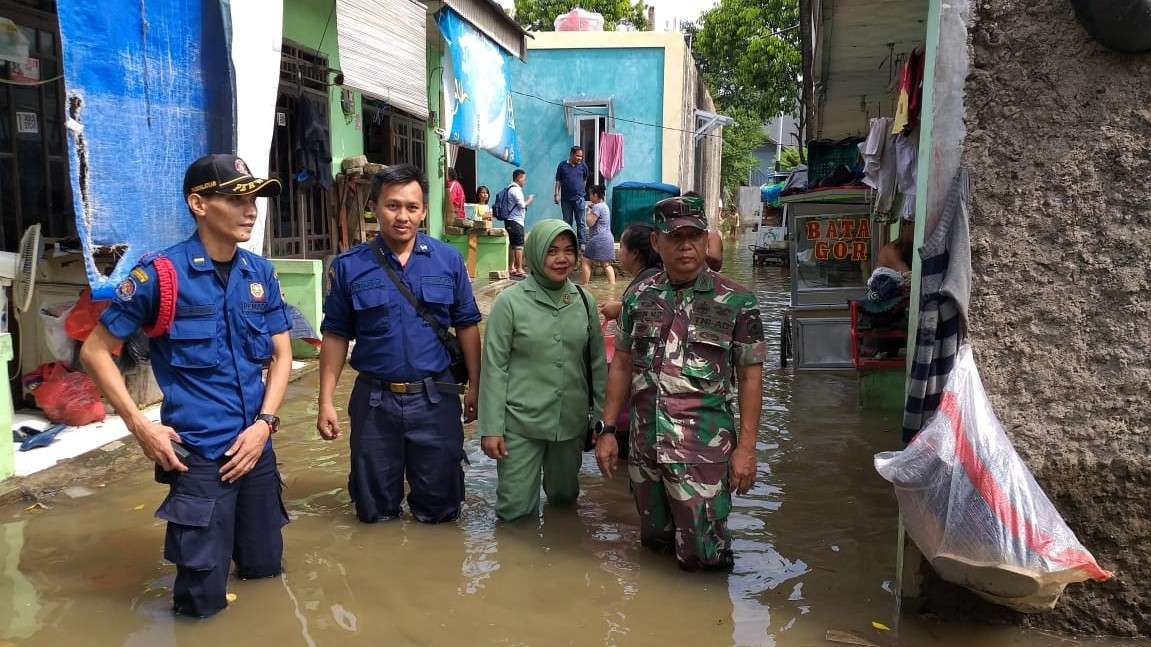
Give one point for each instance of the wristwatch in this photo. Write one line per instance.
(273, 421)
(601, 428)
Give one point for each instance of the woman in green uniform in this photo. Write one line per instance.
(534, 404)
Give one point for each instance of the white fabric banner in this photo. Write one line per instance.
(257, 34)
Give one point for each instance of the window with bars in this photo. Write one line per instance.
(299, 218)
(34, 180)
(392, 137)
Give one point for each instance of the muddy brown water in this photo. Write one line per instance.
(815, 550)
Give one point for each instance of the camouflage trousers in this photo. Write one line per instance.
(685, 505)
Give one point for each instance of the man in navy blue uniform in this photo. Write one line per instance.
(405, 406)
(571, 191)
(216, 318)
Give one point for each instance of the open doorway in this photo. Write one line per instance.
(587, 134)
(465, 167)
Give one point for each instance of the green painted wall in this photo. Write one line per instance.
(437, 153)
(304, 24)
(302, 284)
(7, 459)
(491, 252)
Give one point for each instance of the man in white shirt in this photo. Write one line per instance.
(515, 222)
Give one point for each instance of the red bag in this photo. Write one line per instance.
(66, 396)
(84, 316)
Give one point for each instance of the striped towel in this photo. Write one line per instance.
(945, 289)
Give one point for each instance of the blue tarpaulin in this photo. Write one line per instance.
(479, 90)
(149, 91)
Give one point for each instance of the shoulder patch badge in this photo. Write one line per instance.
(257, 290)
(126, 290)
(140, 275)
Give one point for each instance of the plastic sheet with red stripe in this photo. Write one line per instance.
(974, 509)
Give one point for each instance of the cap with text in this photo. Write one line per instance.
(226, 175)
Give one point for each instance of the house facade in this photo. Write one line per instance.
(574, 86)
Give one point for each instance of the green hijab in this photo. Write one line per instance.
(536, 247)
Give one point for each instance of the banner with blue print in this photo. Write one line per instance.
(149, 90)
(478, 88)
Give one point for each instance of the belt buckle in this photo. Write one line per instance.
(398, 387)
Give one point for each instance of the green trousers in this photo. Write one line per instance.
(518, 489)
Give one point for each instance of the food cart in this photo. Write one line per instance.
(833, 249)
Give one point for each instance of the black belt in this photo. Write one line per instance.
(416, 387)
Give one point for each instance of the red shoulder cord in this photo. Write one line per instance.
(168, 285)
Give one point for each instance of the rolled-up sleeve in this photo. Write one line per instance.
(624, 324)
(748, 345)
(134, 304)
(464, 310)
(277, 313)
(339, 315)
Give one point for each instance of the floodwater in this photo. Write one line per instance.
(815, 550)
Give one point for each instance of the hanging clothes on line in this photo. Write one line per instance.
(879, 163)
(909, 103)
(312, 145)
(610, 154)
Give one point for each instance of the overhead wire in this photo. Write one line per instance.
(578, 110)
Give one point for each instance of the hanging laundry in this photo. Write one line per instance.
(906, 172)
(945, 289)
(610, 154)
(909, 103)
(312, 145)
(879, 163)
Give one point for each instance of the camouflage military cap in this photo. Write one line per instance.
(674, 213)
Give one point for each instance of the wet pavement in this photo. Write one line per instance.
(815, 550)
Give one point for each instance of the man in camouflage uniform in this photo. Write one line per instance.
(685, 336)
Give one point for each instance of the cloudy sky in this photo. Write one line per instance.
(665, 10)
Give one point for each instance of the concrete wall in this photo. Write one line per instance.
(633, 78)
(304, 23)
(1059, 146)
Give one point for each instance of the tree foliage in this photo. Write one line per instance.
(792, 157)
(748, 52)
(739, 143)
(540, 15)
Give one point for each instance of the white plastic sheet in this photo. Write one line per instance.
(975, 510)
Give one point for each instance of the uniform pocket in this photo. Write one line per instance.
(645, 344)
(257, 343)
(371, 305)
(193, 343)
(708, 356)
(437, 289)
(189, 542)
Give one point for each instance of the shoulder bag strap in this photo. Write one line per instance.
(587, 346)
(448, 340)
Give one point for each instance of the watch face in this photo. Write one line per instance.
(599, 426)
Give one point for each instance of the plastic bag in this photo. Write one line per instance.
(82, 320)
(54, 319)
(65, 396)
(975, 510)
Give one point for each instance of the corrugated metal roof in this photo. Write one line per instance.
(491, 19)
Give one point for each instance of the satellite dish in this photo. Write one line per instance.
(24, 281)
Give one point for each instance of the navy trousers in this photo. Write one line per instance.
(417, 435)
(212, 523)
